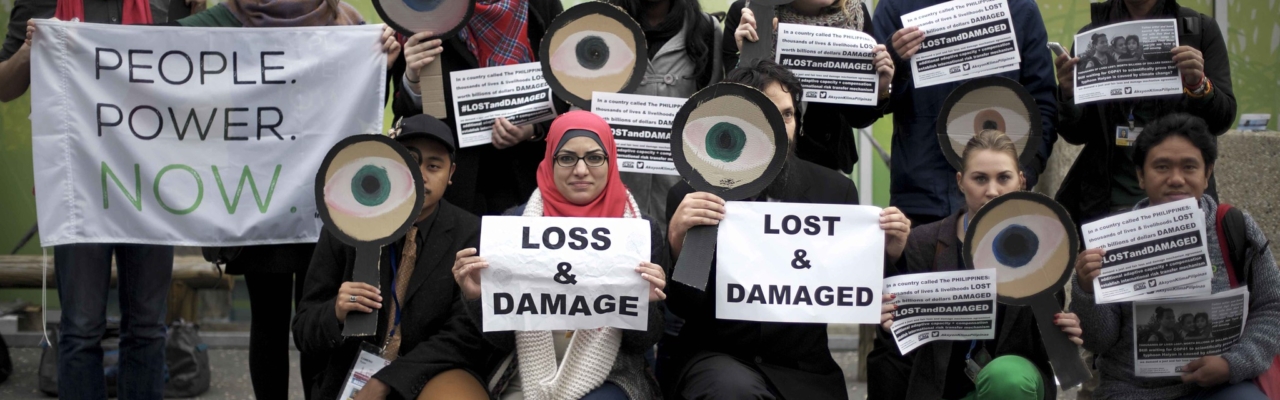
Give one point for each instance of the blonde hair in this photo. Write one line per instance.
(990, 139)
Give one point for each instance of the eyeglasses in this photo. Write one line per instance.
(592, 160)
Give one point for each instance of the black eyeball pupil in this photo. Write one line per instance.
(592, 52)
(370, 184)
(1015, 244)
(989, 125)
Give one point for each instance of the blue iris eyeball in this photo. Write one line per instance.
(1015, 245)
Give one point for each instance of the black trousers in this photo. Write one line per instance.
(723, 377)
(272, 296)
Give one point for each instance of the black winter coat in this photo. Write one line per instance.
(436, 333)
(793, 356)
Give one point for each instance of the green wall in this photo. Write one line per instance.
(1253, 38)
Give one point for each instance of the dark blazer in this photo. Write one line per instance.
(923, 374)
(437, 335)
(793, 356)
(488, 180)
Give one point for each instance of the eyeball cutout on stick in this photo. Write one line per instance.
(444, 18)
(369, 190)
(989, 103)
(592, 47)
(729, 140)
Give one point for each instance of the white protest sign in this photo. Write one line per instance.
(952, 305)
(515, 92)
(563, 273)
(1140, 66)
(642, 128)
(193, 136)
(1168, 334)
(1157, 252)
(786, 262)
(834, 65)
(963, 39)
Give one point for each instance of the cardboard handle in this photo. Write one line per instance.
(765, 11)
(366, 271)
(694, 266)
(431, 84)
(1064, 355)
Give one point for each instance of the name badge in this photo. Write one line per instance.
(1126, 136)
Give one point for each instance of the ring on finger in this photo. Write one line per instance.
(351, 299)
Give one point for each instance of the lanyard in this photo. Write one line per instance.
(1131, 107)
(394, 298)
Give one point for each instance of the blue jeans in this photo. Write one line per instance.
(84, 277)
(1246, 390)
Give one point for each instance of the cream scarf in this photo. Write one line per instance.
(589, 358)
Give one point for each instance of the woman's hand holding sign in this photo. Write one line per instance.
(466, 271)
(747, 28)
(418, 52)
(886, 312)
(884, 69)
(390, 45)
(657, 280)
(1066, 67)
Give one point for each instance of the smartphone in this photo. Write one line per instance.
(1057, 49)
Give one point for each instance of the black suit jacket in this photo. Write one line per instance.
(923, 373)
(793, 356)
(437, 335)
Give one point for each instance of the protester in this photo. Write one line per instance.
(273, 272)
(1019, 367)
(728, 359)
(825, 132)
(578, 177)
(435, 352)
(1102, 181)
(492, 177)
(1175, 157)
(15, 56)
(921, 180)
(84, 269)
(684, 57)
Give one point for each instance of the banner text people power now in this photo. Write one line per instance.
(1158, 252)
(515, 92)
(193, 136)
(953, 305)
(963, 39)
(834, 65)
(784, 262)
(563, 273)
(642, 128)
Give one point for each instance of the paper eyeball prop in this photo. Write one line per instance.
(729, 140)
(593, 47)
(368, 190)
(989, 103)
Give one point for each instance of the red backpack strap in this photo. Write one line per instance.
(1222, 243)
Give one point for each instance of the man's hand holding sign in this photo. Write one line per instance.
(561, 273)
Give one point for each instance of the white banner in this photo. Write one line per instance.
(563, 273)
(962, 40)
(953, 305)
(785, 262)
(193, 136)
(834, 65)
(1157, 252)
(642, 128)
(515, 92)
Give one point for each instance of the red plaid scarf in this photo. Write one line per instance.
(498, 33)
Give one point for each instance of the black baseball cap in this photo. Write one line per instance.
(424, 126)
